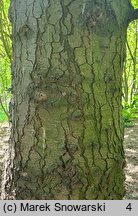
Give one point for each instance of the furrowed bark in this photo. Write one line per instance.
(67, 129)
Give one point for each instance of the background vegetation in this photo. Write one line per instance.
(5, 60)
(130, 76)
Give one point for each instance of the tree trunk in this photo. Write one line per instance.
(67, 132)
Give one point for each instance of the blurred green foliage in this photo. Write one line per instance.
(130, 75)
(130, 113)
(134, 3)
(5, 60)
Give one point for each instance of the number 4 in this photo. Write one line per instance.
(129, 207)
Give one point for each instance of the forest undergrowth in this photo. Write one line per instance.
(131, 170)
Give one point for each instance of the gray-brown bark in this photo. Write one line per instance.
(67, 132)
(134, 15)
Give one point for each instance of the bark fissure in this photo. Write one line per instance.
(67, 132)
